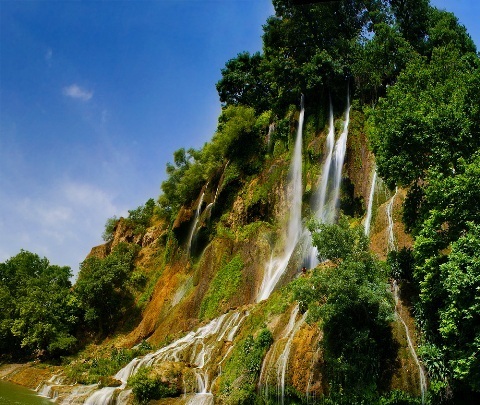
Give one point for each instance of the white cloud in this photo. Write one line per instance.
(63, 222)
(77, 92)
(48, 54)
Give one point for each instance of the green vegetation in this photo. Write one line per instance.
(223, 286)
(100, 287)
(39, 313)
(355, 309)
(242, 369)
(94, 365)
(146, 386)
(138, 220)
(413, 75)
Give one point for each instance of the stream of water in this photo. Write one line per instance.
(277, 266)
(368, 218)
(390, 234)
(421, 372)
(326, 199)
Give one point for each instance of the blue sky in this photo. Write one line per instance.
(96, 95)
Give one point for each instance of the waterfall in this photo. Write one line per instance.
(281, 364)
(220, 182)
(322, 190)
(278, 265)
(391, 236)
(368, 218)
(271, 129)
(321, 193)
(421, 373)
(338, 159)
(327, 195)
(195, 220)
(196, 348)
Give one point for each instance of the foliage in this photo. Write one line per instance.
(378, 62)
(100, 288)
(460, 313)
(139, 218)
(146, 386)
(180, 187)
(235, 146)
(401, 263)
(242, 83)
(352, 302)
(429, 119)
(94, 364)
(242, 369)
(110, 226)
(425, 135)
(223, 286)
(38, 311)
(338, 242)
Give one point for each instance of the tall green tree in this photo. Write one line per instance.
(101, 287)
(242, 82)
(352, 302)
(429, 118)
(39, 312)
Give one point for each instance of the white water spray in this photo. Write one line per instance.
(196, 348)
(327, 195)
(277, 266)
(368, 218)
(321, 193)
(338, 159)
(280, 364)
(421, 373)
(391, 237)
(195, 220)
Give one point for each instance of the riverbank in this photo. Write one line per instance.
(29, 375)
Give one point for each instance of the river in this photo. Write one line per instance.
(15, 394)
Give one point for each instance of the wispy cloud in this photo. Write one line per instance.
(77, 92)
(62, 223)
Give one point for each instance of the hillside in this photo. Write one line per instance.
(285, 260)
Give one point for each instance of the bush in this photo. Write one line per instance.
(110, 226)
(146, 386)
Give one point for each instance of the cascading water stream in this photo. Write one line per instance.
(321, 194)
(391, 236)
(421, 373)
(338, 159)
(327, 195)
(195, 220)
(368, 218)
(196, 348)
(278, 265)
(280, 364)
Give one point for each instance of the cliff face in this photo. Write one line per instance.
(213, 260)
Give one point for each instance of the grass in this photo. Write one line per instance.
(222, 288)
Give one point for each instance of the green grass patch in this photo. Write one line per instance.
(102, 365)
(222, 288)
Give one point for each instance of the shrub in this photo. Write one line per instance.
(146, 386)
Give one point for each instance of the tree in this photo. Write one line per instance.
(307, 49)
(353, 305)
(242, 82)
(39, 313)
(429, 119)
(412, 18)
(101, 287)
(460, 314)
(446, 256)
(377, 62)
